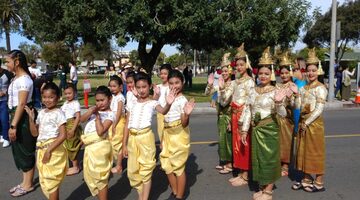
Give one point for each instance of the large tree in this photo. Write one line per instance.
(10, 18)
(31, 51)
(348, 14)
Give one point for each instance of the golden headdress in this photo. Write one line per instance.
(225, 60)
(285, 61)
(314, 60)
(266, 58)
(241, 53)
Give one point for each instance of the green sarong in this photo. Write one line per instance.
(23, 148)
(72, 145)
(265, 150)
(225, 138)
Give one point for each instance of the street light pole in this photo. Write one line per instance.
(332, 51)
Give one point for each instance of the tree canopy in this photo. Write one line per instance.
(202, 25)
(348, 14)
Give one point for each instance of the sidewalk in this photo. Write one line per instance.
(204, 108)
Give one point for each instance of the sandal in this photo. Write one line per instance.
(315, 187)
(226, 170)
(239, 182)
(233, 179)
(265, 195)
(301, 185)
(284, 171)
(72, 171)
(12, 190)
(219, 167)
(20, 191)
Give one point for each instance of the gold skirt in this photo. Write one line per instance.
(141, 157)
(160, 125)
(73, 144)
(97, 162)
(286, 133)
(176, 147)
(116, 140)
(310, 157)
(51, 174)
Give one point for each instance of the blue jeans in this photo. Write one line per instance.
(4, 120)
(75, 87)
(37, 99)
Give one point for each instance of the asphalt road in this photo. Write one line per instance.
(204, 183)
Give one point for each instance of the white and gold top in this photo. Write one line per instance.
(70, 108)
(115, 102)
(262, 100)
(238, 91)
(164, 91)
(313, 94)
(49, 122)
(176, 109)
(141, 114)
(90, 127)
(211, 89)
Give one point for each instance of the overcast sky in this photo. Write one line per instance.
(16, 39)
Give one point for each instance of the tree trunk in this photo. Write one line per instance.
(7, 34)
(148, 59)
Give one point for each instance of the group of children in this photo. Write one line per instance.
(257, 122)
(116, 128)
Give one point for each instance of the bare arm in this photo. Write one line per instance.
(102, 127)
(126, 135)
(76, 122)
(59, 140)
(163, 110)
(23, 95)
(118, 114)
(87, 114)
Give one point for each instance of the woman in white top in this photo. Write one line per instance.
(139, 141)
(176, 137)
(131, 92)
(116, 132)
(22, 142)
(71, 108)
(98, 152)
(346, 84)
(50, 129)
(160, 92)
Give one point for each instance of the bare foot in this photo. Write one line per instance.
(116, 170)
(72, 171)
(234, 179)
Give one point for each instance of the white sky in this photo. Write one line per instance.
(16, 39)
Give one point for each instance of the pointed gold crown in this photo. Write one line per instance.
(241, 53)
(266, 58)
(225, 60)
(312, 58)
(285, 60)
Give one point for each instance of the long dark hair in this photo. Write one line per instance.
(19, 55)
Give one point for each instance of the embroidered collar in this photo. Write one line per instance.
(266, 89)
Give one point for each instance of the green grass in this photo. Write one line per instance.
(197, 90)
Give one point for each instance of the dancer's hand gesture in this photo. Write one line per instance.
(211, 79)
(280, 95)
(156, 90)
(170, 98)
(221, 83)
(189, 106)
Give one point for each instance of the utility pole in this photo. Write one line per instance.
(194, 66)
(332, 52)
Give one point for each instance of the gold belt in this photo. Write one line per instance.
(93, 142)
(139, 132)
(172, 124)
(38, 147)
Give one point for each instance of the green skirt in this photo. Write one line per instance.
(225, 138)
(266, 151)
(23, 148)
(72, 145)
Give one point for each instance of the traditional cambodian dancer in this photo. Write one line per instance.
(311, 140)
(265, 103)
(224, 116)
(238, 94)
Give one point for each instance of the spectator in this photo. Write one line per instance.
(73, 76)
(190, 75)
(346, 84)
(36, 76)
(5, 77)
(338, 76)
(186, 76)
(62, 77)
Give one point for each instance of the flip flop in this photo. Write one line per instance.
(20, 191)
(14, 188)
(297, 186)
(219, 167)
(312, 188)
(226, 170)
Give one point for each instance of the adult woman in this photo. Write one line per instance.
(23, 143)
(310, 157)
(346, 83)
(224, 114)
(238, 95)
(264, 104)
(286, 124)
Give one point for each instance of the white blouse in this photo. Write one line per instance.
(90, 126)
(164, 91)
(130, 99)
(176, 109)
(22, 83)
(115, 102)
(49, 123)
(71, 108)
(141, 114)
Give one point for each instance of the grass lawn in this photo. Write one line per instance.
(197, 90)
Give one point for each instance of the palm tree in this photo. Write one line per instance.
(9, 18)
